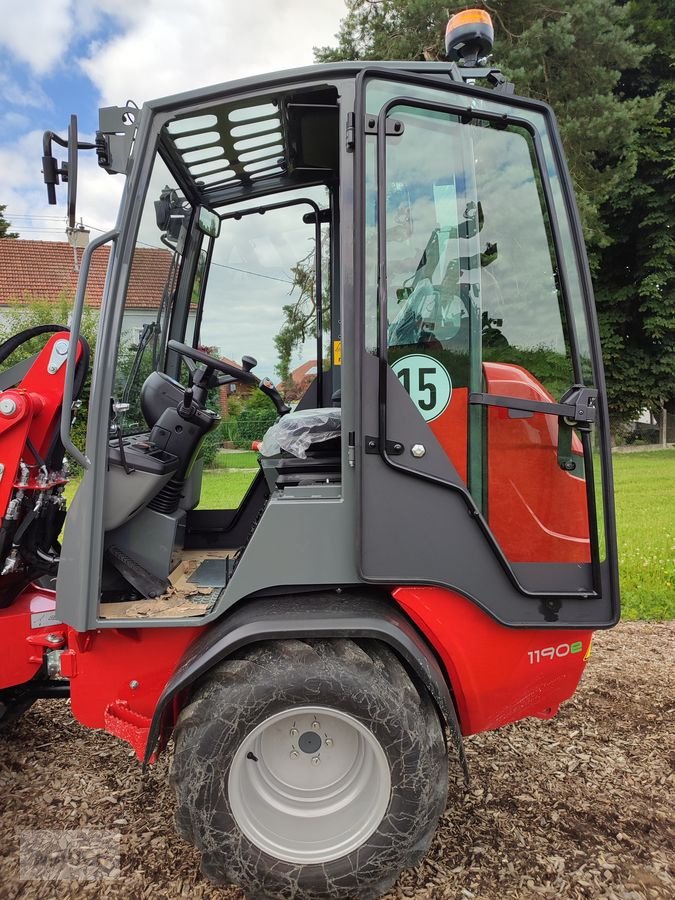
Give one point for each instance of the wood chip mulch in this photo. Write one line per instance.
(579, 806)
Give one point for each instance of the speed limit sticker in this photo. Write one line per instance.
(427, 381)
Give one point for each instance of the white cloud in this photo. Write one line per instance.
(29, 95)
(170, 46)
(158, 47)
(37, 33)
(13, 120)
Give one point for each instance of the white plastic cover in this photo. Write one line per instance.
(297, 431)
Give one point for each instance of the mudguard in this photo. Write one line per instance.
(315, 615)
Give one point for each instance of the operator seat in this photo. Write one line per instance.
(303, 448)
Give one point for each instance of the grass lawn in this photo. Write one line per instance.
(238, 459)
(644, 486)
(645, 512)
(224, 490)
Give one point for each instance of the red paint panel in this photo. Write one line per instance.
(450, 429)
(536, 510)
(110, 660)
(38, 409)
(21, 657)
(498, 674)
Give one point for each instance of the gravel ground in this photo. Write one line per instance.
(580, 806)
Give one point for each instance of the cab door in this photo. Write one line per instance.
(484, 453)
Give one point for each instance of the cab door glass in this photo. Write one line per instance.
(474, 306)
(155, 269)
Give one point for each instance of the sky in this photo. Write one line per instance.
(59, 57)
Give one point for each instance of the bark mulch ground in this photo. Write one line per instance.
(580, 806)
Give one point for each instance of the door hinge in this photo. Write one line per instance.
(394, 127)
(392, 448)
(350, 138)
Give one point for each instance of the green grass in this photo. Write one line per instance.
(644, 485)
(246, 459)
(224, 490)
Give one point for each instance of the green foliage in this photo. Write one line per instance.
(389, 29)
(300, 317)
(636, 287)
(550, 368)
(250, 426)
(606, 67)
(249, 418)
(5, 225)
(210, 447)
(214, 439)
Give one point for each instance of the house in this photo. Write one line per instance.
(237, 389)
(48, 270)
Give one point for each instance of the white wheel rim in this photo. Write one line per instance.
(300, 810)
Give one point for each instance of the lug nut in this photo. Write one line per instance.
(316, 761)
(328, 742)
(293, 732)
(316, 725)
(294, 754)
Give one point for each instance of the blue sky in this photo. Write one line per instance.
(63, 56)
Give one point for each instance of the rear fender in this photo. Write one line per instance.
(311, 616)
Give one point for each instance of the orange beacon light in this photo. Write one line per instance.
(469, 36)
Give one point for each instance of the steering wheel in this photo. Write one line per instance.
(210, 362)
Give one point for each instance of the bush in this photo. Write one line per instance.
(250, 425)
(210, 446)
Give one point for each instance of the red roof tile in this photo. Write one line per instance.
(45, 270)
(305, 370)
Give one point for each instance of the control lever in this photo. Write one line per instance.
(248, 363)
(186, 409)
(268, 388)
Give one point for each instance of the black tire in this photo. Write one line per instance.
(365, 681)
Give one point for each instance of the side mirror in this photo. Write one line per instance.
(67, 171)
(208, 223)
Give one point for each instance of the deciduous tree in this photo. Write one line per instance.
(5, 225)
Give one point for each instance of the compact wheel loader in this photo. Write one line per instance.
(428, 541)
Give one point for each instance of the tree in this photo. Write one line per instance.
(300, 319)
(5, 225)
(636, 290)
(591, 60)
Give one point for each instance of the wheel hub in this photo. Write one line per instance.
(309, 742)
(309, 785)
